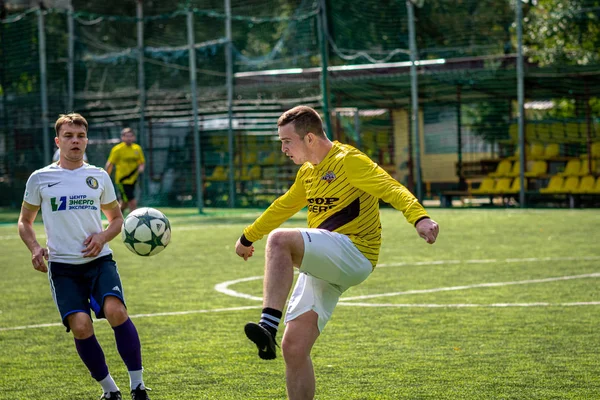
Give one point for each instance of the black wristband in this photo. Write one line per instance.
(245, 241)
(421, 219)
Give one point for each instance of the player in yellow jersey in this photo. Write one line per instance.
(128, 158)
(341, 187)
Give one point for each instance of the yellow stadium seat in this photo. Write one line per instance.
(486, 187)
(539, 168)
(571, 184)
(537, 151)
(250, 157)
(572, 169)
(502, 185)
(596, 188)
(595, 151)
(254, 173)
(552, 150)
(572, 130)
(219, 174)
(515, 187)
(515, 170)
(503, 169)
(513, 131)
(555, 185)
(517, 154)
(585, 167)
(586, 185)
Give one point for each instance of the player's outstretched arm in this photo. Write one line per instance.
(243, 251)
(428, 229)
(38, 253)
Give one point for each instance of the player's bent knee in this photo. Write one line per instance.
(81, 325)
(115, 311)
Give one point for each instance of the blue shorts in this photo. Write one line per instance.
(83, 287)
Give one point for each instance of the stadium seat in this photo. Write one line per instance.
(219, 174)
(596, 188)
(572, 169)
(515, 187)
(571, 184)
(539, 168)
(586, 185)
(254, 173)
(537, 151)
(503, 169)
(486, 187)
(517, 154)
(555, 185)
(552, 150)
(595, 151)
(515, 170)
(585, 167)
(502, 185)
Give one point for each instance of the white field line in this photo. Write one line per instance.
(490, 260)
(161, 314)
(584, 303)
(478, 285)
(224, 287)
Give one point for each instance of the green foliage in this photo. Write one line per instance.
(559, 32)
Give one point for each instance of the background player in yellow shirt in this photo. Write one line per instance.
(128, 158)
(341, 187)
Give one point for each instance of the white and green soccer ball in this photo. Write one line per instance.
(146, 231)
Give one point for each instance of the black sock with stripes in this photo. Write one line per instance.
(269, 319)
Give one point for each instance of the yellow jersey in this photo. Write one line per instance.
(126, 160)
(342, 193)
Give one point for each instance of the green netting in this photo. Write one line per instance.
(467, 87)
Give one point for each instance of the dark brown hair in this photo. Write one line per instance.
(72, 119)
(305, 119)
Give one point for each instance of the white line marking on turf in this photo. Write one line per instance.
(584, 303)
(224, 287)
(478, 285)
(491, 260)
(161, 314)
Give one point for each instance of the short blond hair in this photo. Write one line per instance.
(72, 119)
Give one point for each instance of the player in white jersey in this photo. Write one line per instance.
(82, 273)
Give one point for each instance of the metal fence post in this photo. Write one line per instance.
(415, 98)
(71, 59)
(44, 86)
(194, 92)
(521, 98)
(142, 89)
(230, 136)
(322, 29)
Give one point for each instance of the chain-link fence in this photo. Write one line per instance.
(206, 118)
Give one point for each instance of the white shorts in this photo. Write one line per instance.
(331, 264)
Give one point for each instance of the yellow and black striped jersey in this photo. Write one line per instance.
(342, 193)
(126, 160)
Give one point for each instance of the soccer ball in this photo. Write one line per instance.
(146, 231)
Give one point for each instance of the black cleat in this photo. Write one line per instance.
(139, 394)
(263, 339)
(113, 396)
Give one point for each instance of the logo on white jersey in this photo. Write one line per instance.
(329, 177)
(91, 182)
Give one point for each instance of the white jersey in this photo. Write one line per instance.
(70, 201)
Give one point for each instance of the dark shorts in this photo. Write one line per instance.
(83, 287)
(126, 192)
